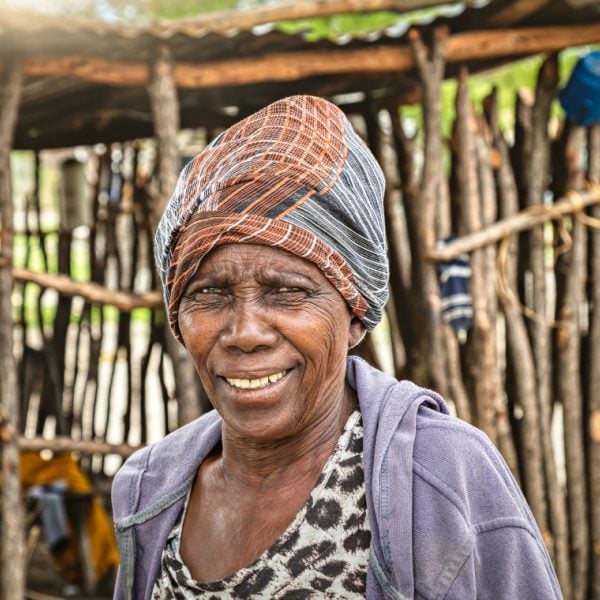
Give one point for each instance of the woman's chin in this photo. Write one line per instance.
(264, 413)
(262, 427)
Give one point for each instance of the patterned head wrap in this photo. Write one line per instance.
(295, 176)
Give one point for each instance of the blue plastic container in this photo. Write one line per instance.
(580, 98)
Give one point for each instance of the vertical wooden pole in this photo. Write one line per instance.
(593, 382)
(403, 264)
(534, 451)
(12, 563)
(165, 112)
(571, 274)
(481, 374)
(431, 67)
(535, 185)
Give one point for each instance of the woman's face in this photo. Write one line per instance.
(268, 335)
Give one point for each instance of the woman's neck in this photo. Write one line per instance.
(257, 464)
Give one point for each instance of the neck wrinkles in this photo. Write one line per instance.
(257, 463)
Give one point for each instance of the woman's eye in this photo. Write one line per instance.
(208, 295)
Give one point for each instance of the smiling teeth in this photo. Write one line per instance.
(250, 384)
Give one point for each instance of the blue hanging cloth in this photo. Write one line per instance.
(455, 283)
(580, 98)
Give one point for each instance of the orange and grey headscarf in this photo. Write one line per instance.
(294, 176)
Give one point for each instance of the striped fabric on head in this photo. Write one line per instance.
(296, 176)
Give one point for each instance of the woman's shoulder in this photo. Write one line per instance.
(164, 465)
(464, 467)
(468, 504)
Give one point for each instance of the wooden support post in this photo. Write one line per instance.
(480, 350)
(431, 67)
(12, 565)
(571, 270)
(593, 375)
(519, 355)
(165, 112)
(291, 66)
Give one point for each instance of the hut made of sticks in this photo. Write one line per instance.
(532, 351)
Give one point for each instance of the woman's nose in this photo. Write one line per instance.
(248, 330)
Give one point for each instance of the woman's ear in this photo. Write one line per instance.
(357, 332)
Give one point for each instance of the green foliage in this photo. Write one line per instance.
(352, 24)
(339, 26)
(169, 9)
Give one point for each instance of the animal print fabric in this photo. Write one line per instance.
(323, 553)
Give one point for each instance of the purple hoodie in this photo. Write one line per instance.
(448, 521)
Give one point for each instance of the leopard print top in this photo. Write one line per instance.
(322, 554)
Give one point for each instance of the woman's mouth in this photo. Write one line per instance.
(259, 382)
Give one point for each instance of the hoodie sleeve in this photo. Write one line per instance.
(475, 536)
(506, 562)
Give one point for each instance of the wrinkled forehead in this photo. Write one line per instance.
(235, 261)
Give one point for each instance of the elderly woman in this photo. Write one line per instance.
(316, 476)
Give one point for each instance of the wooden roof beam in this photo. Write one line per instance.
(461, 47)
(517, 11)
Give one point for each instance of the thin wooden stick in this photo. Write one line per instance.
(67, 444)
(522, 221)
(407, 310)
(487, 191)
(516, 11)
(398, 318)
(89, 290)
(12, 565)
(33, 595)
(533, 188)
(56, 357)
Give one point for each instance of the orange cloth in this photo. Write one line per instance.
(37, 471)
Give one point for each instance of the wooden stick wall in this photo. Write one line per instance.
(530, 364)
(86, 375)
